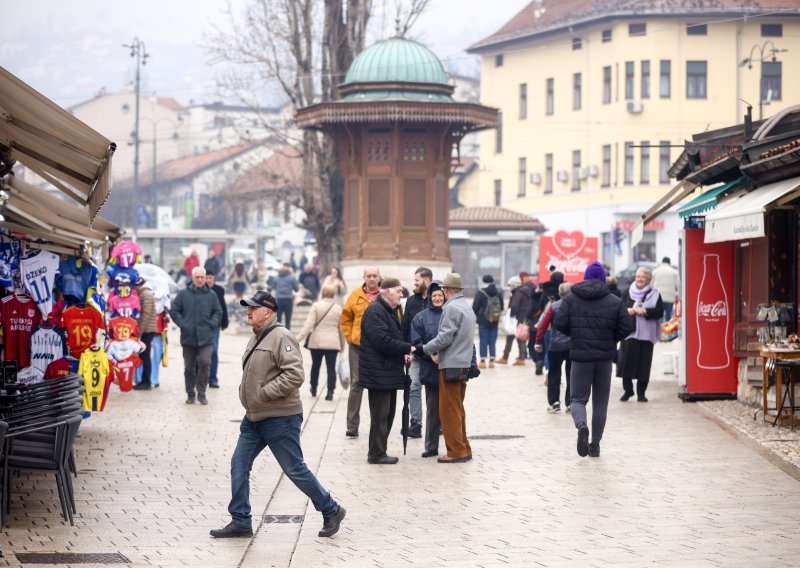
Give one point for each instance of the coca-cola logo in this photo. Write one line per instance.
(713, 310)
(569, 265)
(569, 244)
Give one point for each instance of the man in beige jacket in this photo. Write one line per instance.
(272, 372)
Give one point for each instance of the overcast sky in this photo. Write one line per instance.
(69, 50)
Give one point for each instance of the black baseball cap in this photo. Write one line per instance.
(261, 299)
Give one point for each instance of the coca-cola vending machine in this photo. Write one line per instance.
(709, 367)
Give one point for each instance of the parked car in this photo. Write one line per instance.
(626, 277)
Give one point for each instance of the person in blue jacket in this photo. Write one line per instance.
(425, 327)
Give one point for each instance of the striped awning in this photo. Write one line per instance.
(708, 199)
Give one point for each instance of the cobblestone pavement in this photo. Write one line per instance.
(674, 486)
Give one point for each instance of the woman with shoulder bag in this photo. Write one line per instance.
(636, 352)
(324, 338)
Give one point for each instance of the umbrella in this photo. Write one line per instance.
(157, 276)
(405, 415)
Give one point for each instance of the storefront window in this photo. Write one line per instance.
(751, 278)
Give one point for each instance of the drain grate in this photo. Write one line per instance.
(496, 437)
(284, 518)
(71, 558)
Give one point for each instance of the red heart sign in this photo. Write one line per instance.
(569, 244)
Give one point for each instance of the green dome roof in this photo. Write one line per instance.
(397, 60)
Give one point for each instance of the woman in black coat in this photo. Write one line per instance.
(381, 360)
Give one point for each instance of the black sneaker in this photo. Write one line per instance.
(213, 385)
(594, 450)
(625, 397)
(351, 433)
(202, 399)
(330, 525)
(583, 441)
(190, 400)
(641, 398)
(142, 387)
(329, 396)
(415, 431)
(233, 531)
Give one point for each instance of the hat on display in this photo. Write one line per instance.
(453, 281)
(390, 282)
(261, 299)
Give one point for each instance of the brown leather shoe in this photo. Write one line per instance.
(491, 364)
(448, 459)
(502, 361)
(519, 362)
(482, 364)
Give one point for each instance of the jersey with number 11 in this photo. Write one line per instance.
(38, 272)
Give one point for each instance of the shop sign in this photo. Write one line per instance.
(569, 252)
(627, 225)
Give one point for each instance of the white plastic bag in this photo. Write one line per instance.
(509, 324)
(343, 371)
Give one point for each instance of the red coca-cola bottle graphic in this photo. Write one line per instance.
(713, 317)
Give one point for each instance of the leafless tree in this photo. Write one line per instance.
(302, 50)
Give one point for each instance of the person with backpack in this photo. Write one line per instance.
(488, 308)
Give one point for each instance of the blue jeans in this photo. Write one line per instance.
(212, 373)
(488, 338)
(282, 435)
(668, 308)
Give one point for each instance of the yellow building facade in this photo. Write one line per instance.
(595, 98)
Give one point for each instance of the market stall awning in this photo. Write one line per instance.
(708, 199)
(51, 142)
(743, 217)
(673, 196)
(35, 212)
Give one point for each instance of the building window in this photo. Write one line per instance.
(244, 217)
(628, 163)
(498, 60)
(606, 165)
(606, 34)
(637, 29)
(576, 91)
(523, 177)
(696, 75)
(548, 173)
(771, 30)
(498, 134)
(771, 81)
(665, 81)
(697, 29)
(645, 80)
(629, 80)
(550, 101)
(523, 101)
(644, 165)
(498, 191)
(576, 170)
(606, 85)
(663, 162)
(260, 215)
(576, 43)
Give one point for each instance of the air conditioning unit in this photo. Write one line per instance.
(583, 173)
(594, 171)
(536, 179)
(562, 175)
(633, 107)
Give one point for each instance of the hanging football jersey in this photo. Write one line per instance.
(48, 344)
(95, 369)
(9, 262)
(38, 271)
(61, 368)
(29, 376)
(123, 328)
(120, 349)
(126, 307)
(126, 254)
(75, 277)
(18, 316)
(81, 325)
(126, 369)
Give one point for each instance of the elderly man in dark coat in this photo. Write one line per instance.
(381, 359)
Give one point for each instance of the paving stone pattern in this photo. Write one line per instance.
(674, 486)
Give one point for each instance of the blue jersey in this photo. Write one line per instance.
(9, 263)
(76, 276)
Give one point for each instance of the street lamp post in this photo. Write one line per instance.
(153, 178)
(766, 48)
(138, 51)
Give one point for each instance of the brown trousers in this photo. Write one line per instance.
(453, 417)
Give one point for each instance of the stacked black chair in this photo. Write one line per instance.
(42, 421)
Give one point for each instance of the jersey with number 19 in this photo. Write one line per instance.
(81, 325)
(38, 272)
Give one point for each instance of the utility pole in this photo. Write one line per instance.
(138, 51)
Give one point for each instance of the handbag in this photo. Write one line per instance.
(316, 323)
(455, 375)
(343, 371)
(509, 324)
(523, 332)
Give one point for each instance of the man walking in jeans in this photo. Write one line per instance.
(272, 372)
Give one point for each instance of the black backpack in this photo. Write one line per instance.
(493, 310)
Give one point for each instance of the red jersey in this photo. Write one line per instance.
(61, 368)
(123, 328)
(81, 325)
(126, 370)
(18, 316)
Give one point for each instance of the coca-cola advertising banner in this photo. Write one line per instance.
(708, 316)
(570, 253)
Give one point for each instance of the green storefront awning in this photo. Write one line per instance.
(708, 199)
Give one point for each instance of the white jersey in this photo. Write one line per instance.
(47, 345)
(38, 272)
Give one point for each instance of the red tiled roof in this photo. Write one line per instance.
(281, 171)
(556, 14)
(492, 218)
(188, 166)
(169, 102)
